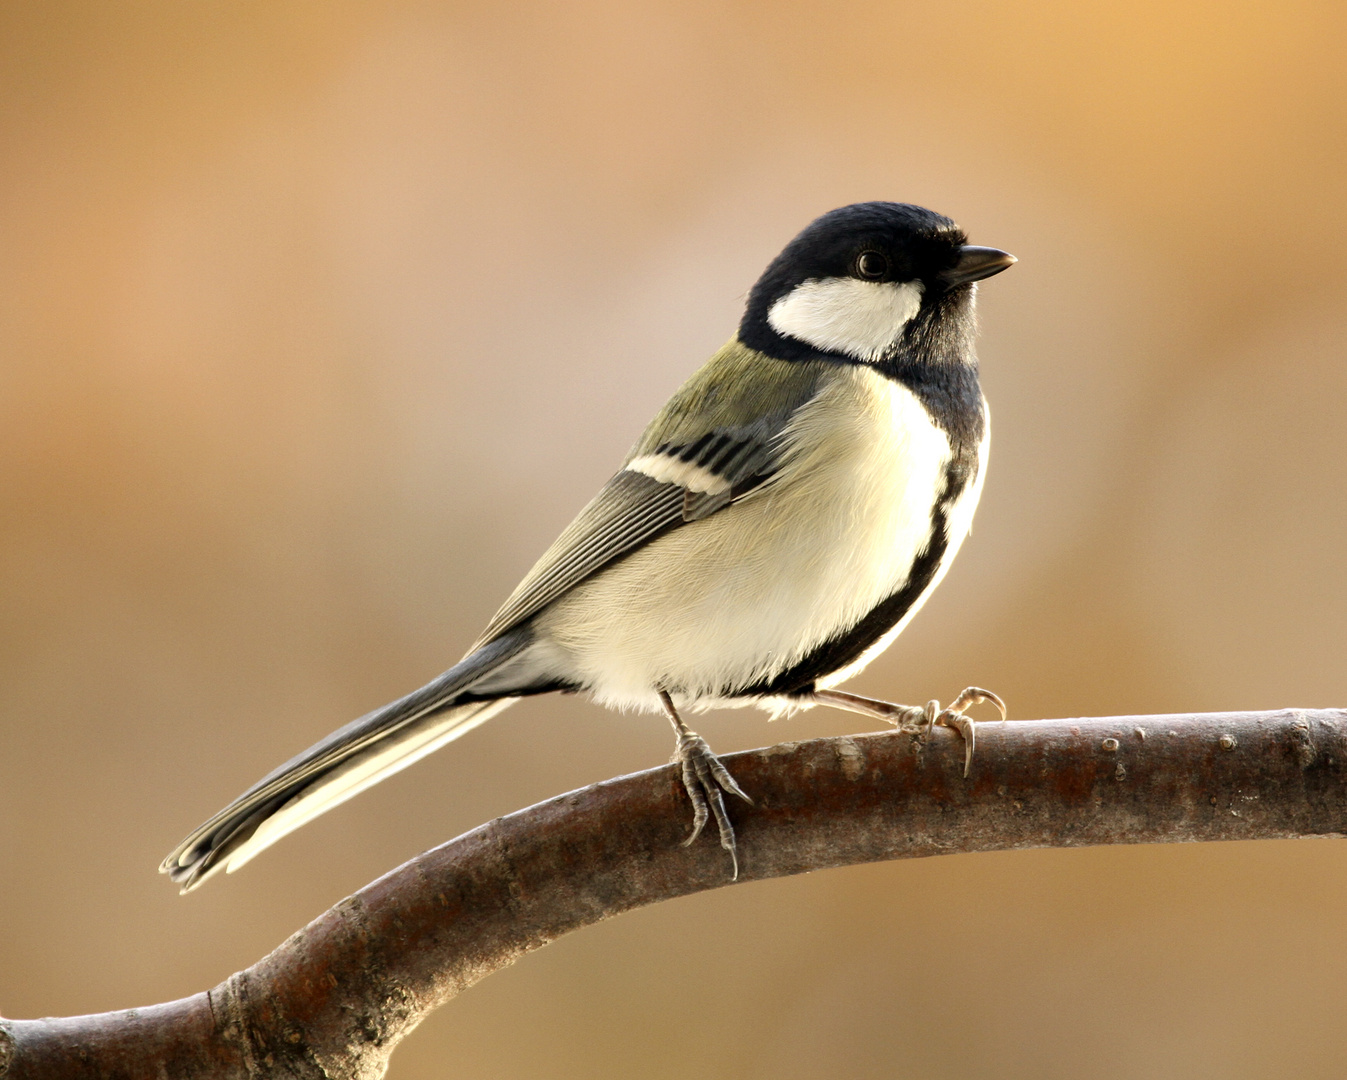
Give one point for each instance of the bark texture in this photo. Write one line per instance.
(336, 998)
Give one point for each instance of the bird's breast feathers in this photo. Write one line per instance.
(735, 599)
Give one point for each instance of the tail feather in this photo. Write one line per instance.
(340, 766)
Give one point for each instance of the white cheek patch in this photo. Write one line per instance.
(859, 318)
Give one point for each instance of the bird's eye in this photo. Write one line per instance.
(872, 265)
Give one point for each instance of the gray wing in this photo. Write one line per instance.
(715, 441)
(633, 509)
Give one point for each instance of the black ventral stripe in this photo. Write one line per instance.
(851, 644)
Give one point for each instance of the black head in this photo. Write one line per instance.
(869, 281)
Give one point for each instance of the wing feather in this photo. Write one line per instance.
(630, 510)
(715, 442)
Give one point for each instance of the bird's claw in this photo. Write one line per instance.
(920, 720)
(705, 779)
(954, 717)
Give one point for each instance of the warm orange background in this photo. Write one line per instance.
(318, 320)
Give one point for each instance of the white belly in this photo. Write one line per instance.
(746, 593)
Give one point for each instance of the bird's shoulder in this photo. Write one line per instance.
(739, 389)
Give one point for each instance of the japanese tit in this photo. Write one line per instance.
(778, 524)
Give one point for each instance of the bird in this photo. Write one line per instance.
(777, 525)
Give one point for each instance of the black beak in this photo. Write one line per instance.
(976, 263)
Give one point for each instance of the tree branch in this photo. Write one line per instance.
(337, 997)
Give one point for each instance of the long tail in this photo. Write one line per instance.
(342, 765)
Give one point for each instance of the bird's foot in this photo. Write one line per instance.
(705, 780)
(954, 717)
(914, 719)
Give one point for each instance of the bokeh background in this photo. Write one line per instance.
(318, 321)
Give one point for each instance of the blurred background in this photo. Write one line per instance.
(319, 320)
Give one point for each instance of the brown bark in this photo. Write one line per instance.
(337, 997)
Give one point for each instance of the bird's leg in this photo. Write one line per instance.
(910, 718)
(704, 778)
